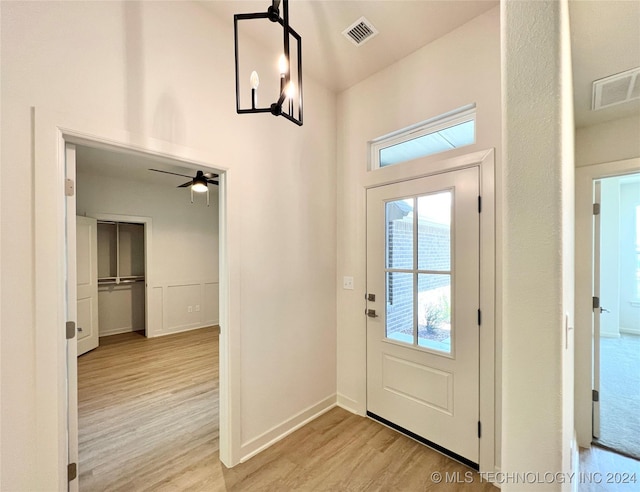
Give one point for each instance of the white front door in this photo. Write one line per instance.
(423, 277)
(87, 282)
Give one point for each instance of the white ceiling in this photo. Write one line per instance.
(112, 163)
(605, 38)
(335, 62)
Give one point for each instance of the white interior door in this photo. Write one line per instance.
(87, 283)
(72, 345)
(423, 276)
(596, 311)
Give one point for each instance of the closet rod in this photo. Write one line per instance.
(125, 281)
(113, 222)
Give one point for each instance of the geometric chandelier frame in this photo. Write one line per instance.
(289, 101)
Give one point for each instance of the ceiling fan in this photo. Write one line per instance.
(197, 183)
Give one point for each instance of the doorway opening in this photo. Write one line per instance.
(148, 395)
(617, 314)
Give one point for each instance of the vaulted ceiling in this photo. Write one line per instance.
(605, 38)
(330, 58)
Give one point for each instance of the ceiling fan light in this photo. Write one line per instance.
(199, 186)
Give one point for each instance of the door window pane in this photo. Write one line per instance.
(434, 232)
(400, 318)
(418, 283)
(434, 312)
(399, 220)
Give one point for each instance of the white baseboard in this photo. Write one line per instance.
(282, 430)
(117, 331)
(497, 472)
(575, 461)
(609, 334)
(629, 331)
(348, 404)
(182, 329)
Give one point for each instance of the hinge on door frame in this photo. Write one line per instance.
(72, 471)
(595, 395)
(69, 187)
(479, 429)
(479, 317)
(479, 204)
(71, 329)
(596, 209)
(595, 302)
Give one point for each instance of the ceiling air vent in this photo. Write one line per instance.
(616, 89)
(360, 31)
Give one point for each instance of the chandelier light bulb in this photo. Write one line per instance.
(291, 90)
(254, 80)
(282, 65)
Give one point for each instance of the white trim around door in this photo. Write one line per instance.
(485, 162)
(51, 132)
(584, 254)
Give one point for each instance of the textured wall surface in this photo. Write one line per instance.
(537, 413)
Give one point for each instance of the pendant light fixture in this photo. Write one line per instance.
(288, 98)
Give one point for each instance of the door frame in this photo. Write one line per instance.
(51, 131)
(585, 177)
(490, 378)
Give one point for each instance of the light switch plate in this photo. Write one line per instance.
(347, 283)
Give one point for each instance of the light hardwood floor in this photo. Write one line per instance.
(148, 422)
(147, 410)
(603, 470)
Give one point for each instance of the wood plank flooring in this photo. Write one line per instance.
(148, 422)
(147, 409)
(604, 470)
(341, 451)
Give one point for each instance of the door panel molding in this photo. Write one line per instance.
(86, 293)
(418, 398)
(490, 281)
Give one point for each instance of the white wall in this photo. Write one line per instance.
(629, 299)
(184, 248)
(607, 142)
(461, 68)
(537, 243)
(610, 257)
(162, 73)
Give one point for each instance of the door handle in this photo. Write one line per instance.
(371, 313)
(604, 310)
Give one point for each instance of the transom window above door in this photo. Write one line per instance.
(445, 132)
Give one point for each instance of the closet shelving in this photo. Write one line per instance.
(120, 253)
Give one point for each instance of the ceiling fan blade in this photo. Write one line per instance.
(212, 181)
(169, 172)
(210, 175)
(184, 185)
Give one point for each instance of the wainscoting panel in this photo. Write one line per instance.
(155, 311)
(182, 306)
(210, 303)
